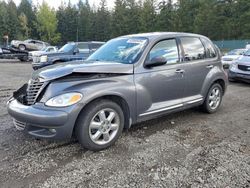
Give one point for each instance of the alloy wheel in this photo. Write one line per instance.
(104, 126)
(214, 98)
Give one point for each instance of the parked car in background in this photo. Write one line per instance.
(69, 52)
(128, 80)
(248, 46)
(240, 68)
(29, 45)
(231, 56)
(48, 49)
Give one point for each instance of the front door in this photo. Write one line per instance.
(160, 88)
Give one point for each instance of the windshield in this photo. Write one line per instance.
(44, 49)
(236, 52)
(121, 50)
(67, 48)
(247, 53)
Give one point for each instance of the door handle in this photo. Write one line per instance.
(181, 71)
(210, 66)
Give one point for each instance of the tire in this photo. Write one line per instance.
(22, 47)
(96, 137)
(213, 99)
(22, 59)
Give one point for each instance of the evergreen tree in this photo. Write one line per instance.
(118, 23)
(47, 24)
(25, 9)
(23, 26)
(148, 16)
(102, 22)
(67, 17)
(3, 20)
(166, 16)
(84, 21)
(12, 22)
(185, 15)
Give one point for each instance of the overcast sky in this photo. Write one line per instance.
(57, 3)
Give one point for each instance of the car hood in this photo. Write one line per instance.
(244, 60)
(85, 67)
(233, 57)
(52, 54)
(35, 53)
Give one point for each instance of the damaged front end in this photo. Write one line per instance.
(21, 94)
(29, 93)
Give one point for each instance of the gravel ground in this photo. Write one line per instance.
(186, 149)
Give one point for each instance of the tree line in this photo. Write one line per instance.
(217, 19)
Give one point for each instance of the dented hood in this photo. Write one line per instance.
(64, 69)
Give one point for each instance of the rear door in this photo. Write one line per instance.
(199, 60)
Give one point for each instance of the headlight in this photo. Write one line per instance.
(64, 100)
(233, 65)
(43, 58)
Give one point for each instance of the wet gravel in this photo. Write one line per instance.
(186, 149)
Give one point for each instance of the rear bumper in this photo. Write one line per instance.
(43, 122)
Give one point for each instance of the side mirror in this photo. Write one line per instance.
(156, 61)
(76, 51)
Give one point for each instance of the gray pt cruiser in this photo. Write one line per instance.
(128, 80)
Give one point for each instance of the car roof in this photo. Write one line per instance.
(155, 35)
(86, 42)
(242, 49)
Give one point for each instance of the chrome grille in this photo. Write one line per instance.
(244, 67)
(19, 125)
(33, 90)
(36, 59)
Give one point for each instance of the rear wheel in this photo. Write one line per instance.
(213, 99)
(100, 125)
(22, 47)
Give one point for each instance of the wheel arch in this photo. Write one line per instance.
(222, 84)
(118, 100)
(214, 77)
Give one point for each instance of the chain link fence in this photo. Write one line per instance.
(227, 45)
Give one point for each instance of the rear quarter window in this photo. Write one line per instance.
(210, 51)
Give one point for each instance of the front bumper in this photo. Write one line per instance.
(239, 76)
(43, 122)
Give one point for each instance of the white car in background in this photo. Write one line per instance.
(45, 49)
(231, 56)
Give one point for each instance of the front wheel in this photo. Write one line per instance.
(213, 99)
(99, 125)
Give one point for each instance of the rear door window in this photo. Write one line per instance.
(193, 48)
